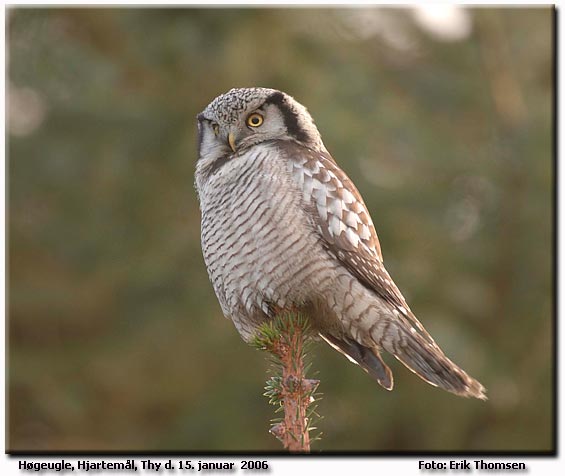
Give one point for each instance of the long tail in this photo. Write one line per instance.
(368, 359)
(422, 356)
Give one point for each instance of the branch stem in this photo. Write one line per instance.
(285, 338)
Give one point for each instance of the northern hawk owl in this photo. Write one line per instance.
(284, 228)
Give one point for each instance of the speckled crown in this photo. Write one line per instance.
(228, 107)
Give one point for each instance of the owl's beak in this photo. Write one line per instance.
(231, 141)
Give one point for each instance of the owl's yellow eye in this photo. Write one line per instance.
(216, 128)
(255, 120)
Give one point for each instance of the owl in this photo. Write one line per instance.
(284, 228)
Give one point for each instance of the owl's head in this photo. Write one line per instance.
(245, 117)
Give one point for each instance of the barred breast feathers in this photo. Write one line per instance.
(252, 232)
(283, 227)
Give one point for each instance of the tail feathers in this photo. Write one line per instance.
(367, 358)
(429, 362)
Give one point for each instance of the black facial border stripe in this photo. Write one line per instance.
(290, 117)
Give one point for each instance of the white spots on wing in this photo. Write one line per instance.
(335, 225)
(370, 250)
(322, 211)
(380, 274)
(352, 237)
(307, 188)
(343, 217)
(352, 219)
(335, 207)
(312, 169)
(357, 207)
(320, 196)
(347, 196)
(365, 233)
(403, 310)
(317, 185)
(334, 177)
(331, 187)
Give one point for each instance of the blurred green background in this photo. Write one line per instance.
(442, 117)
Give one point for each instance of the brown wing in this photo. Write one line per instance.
(345, 225)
